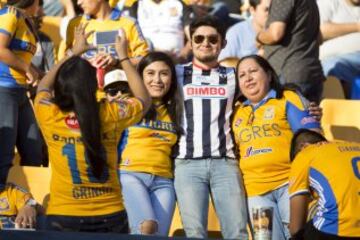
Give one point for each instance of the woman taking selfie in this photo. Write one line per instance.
(82, 136)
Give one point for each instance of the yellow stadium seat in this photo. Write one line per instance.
(333, 89)
(176, 228)
(34, 179)
(341, 119)
(229, 62)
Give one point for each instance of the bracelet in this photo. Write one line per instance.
(116, 63)
(124, 59)
(69, 53)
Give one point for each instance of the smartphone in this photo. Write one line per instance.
(105, 37)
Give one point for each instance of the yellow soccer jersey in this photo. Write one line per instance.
(22, 44)
(137, 46)
(146, 146)
(330, 171)
(74, 191)
(263, 134)
(12, 199)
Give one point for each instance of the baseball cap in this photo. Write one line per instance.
(115, 76)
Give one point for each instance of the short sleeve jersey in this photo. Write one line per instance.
(146, 146)
(331, 173)
(137, 46)
(22, 44)
(263, 134)
(74, 191)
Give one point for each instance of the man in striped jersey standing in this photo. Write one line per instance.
(205, 162)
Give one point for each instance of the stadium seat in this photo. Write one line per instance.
(333, 89)
(229, 62)
(34, 179)
(341, 119)
(176, 228)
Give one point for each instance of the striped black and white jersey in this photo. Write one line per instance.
(208, 98)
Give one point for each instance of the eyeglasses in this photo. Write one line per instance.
(213, 39)
(112, 91)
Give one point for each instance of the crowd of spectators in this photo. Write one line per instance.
(139, 114)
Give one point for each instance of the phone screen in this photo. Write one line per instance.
(105, 38)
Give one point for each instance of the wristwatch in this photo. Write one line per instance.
(31, 202)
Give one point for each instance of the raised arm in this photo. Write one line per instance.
(80, 46)
(136, 84)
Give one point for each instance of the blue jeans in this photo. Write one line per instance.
(346, 68)
(116, 223)
(280, 202)
(148, 197)
(17, 127)
(195, 180)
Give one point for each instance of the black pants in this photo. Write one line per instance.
(309, 232)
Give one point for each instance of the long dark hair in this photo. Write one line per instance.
(172, 97)
(265, 65)
(21, 3)
(75, 90)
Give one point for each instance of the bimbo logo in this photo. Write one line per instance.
(72, 122)
(191, 91)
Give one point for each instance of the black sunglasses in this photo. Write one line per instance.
(112, 91)
(213, 39)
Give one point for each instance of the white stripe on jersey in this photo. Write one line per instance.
(208, 99)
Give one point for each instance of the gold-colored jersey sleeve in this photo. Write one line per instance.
(12, 198)
(22, 44)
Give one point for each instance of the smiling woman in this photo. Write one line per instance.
(263, 125)
(146, 166)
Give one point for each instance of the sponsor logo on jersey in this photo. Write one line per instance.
(307, 120)
(208, 91)
(159, 136)
(238, 122)
(72, 122)
(252, 151)
(269, 113)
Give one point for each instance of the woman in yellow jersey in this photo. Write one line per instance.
(82, 136)
(17, 122)
(146, 166)
(263, 125)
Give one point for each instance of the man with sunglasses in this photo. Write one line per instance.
(116, 85)
(205, 161)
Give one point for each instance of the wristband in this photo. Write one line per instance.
(123, 59)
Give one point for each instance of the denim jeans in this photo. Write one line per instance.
(195, 180)
(280, 202)
(17, 127)
(148, 197)
(116, 223)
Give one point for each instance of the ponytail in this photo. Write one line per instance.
(75, 90)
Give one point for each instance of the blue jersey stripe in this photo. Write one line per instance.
(6, 79)
(298, 118)
(328, 216)
(123, 142)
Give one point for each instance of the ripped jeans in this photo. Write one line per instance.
(148, 197)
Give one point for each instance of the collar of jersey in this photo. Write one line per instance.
(271, 94)
(115, 14)
(197, 66)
